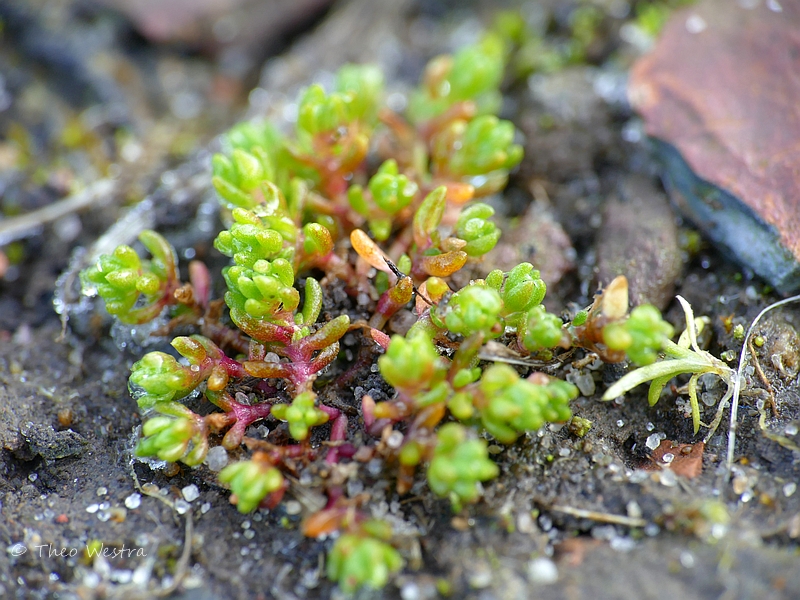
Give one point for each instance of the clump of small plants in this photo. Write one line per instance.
(386, 207)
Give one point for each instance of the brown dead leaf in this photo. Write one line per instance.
(685, 460)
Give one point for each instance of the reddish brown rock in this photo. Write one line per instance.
(639, 239)
(722, 87)
(538, 238)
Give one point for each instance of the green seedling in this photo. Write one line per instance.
(135, 291)
(251, 481)
(685, 357)
(460, 463)
(177, 434)
(364, 558)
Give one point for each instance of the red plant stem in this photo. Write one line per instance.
(335, 492)
(233, 367)
(338, 430)
(200, 279)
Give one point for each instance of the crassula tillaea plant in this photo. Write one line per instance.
(306, 210)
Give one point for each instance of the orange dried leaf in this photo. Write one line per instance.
(322, 523)
(443, 265)
(368, 250)
(460, 193)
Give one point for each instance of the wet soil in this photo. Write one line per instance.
(569, 517)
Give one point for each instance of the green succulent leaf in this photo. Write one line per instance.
(473, 309)
(515, 405)
(178, 435)
(474, 228)
(134, 290)
(364, 84)
(460, 463)
(642, 335)
(301, 414)
(359, 560)
(523, 289)
(541, 330)
(412, 364)
(391, 191)
(251, 481)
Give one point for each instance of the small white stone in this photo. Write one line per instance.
(668, 458)
(395, 440)
(667, 478)
(217, 458)
(190, 493)
(789, 489)
(622, 543)
(634, 510)
(102, 491)
(205, 507)
(92, 508)
(293, 507)
(653, 441)
(133, 501)
(182, 507)
(542, 571)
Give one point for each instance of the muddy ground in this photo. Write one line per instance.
(569, 517)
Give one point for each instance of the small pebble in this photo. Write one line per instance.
(653, 441)
(542, 571)
(182, 507)
(205, 507)
(395, 440)
(133, 501)
(217, 458)
(190, 493)
(634, 510)
(667, 478)
(622, 543)
(92, 508)
(789, 489)
(102, 491)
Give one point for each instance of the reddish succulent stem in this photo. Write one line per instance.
(240, 414)
(391, 301)
(338, 431)
(233, 367)
(200, 279)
